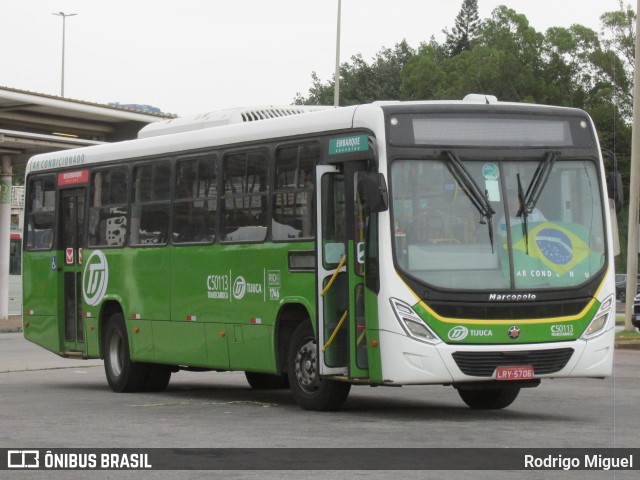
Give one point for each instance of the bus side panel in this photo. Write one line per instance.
(92, 337)
(40, 287)
(217, 349)
(43, 330)
(141, 335)
(139, 280)
(141, 277)
(180, 343)
(236, 290)
(250, 348)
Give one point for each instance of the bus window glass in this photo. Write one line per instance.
(244, 200)
(108, 208)
(443, 240)
(194, 207)
(150, 203)
(41, 213)
(293, 196)
(333, 219)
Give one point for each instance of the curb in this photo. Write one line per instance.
(13, 324)
(10, 329)
(628, 345)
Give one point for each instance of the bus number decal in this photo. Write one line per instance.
(218, 287)
(273, 283)
(223, 287)
(95, 278)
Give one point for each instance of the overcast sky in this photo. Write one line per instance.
(193, 56)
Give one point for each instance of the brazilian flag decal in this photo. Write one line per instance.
(553, 254)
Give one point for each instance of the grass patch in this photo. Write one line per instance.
(627, 335)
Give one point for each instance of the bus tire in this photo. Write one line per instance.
(309, 390)
(158, 378)
(490, 398)
(123, 375)
(266, 381)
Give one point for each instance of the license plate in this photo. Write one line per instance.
(520, 372)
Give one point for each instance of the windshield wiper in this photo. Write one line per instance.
(471, 189)
(537, 184)
(534, 190)
(522, 212)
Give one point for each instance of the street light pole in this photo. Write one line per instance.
(336, 90)
(64, 24)
(634, 191)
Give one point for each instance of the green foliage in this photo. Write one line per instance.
(465, 29)
(361, 82)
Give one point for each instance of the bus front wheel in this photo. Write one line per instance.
(490, 398)
(311, 391)
(123, 375)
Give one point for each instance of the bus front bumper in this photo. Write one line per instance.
(408, 362)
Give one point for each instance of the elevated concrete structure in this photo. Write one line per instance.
(32, 123)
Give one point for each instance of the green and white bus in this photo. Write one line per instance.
(462, 243)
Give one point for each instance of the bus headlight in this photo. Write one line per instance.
(600, 320)
(412, 323)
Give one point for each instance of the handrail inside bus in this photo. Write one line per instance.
(334, 276)
(335, 331)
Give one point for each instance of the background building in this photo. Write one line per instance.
(33, 123)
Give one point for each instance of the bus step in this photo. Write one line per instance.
(73, 354)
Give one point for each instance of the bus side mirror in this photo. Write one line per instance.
(614, 187)
(372, 189)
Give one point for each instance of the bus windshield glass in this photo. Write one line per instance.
(542, 224)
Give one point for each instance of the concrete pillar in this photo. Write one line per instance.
(5, 234)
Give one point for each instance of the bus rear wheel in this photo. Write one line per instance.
(490, 398)
(158, 378)
(123, 375)
(311, 391)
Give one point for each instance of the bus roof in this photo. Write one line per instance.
(223, 117)
(233, 126)
(194, 139)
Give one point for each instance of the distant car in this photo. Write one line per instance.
(635, 318)
(621, 286)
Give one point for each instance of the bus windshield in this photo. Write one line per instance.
(542, 226)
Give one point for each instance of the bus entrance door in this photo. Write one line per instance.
(341, 345)
(71, 227)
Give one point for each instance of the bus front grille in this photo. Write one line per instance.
(483, 364)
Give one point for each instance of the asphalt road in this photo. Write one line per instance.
(48, 402)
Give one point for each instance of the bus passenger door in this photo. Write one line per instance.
(71, 227)
(332, 274)
(340, 253)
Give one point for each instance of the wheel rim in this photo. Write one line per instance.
(116, 353)
(306, 366)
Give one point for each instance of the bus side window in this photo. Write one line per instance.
(244, 198)
(108, 207)
(292, 200)
(195, 203)
(41, 213)
(150, 203)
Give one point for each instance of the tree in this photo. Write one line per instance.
(506, 43)
(464, 30)
(361, 82)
